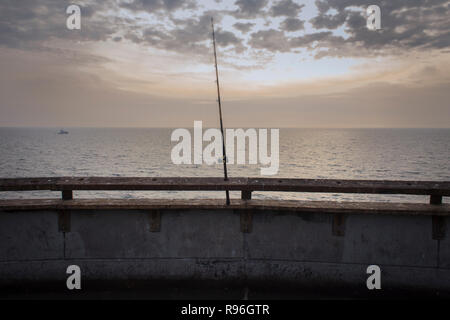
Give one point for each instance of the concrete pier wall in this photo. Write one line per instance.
(286, 248)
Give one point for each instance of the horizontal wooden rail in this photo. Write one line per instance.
(432, 188)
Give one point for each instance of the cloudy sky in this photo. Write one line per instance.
(283, 63)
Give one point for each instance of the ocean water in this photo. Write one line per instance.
(395, 154)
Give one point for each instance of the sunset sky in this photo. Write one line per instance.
(282, 63)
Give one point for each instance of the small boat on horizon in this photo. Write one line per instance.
(63, 132)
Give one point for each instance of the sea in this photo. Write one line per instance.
(381, 154)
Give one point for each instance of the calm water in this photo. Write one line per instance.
(403, 154)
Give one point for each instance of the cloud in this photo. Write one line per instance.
(226, 38)
(249, 8)
(328, 21)
(276, 41)
(406, 25)
(42, 89)
(272, 40)
(190, 36)
(339, 28)
(244, 27)
(27, 23)
(156, 5)
(286, 8)
(292, 24)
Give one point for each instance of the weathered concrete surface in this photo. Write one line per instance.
(392, 240)
(30, 236)
(299, 250)
(444, 247)
(126, 234)
(288, 236)
(368, 239)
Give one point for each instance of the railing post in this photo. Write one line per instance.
(338, 225)
(64, 215)
(67, 194)
(246, 195)
(246, 215)
(435, 199)
(438, 222)
(155, 220)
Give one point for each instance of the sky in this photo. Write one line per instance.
(282, 63)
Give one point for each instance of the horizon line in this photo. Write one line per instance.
(231, 127)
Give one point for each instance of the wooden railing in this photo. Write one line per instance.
(435, 189)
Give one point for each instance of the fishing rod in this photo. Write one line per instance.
(220, 112)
